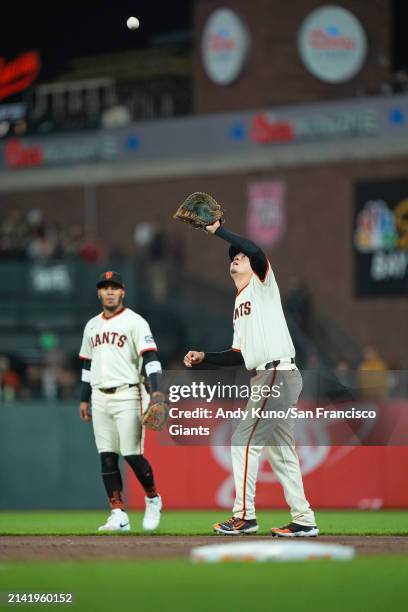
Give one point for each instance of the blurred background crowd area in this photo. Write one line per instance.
(32, 237)
(52, 376)
(36, 237)
(104, 131)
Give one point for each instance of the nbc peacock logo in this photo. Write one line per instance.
(375, 228)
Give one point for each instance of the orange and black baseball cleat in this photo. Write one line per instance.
(236, 526)
(294, 530)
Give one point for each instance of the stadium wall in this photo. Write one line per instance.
(49, 461)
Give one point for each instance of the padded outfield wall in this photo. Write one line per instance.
(49, 461)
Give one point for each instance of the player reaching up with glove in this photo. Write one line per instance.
(117, 348)
(262, 342)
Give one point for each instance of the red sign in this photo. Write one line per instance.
(334, 477)
(369, 477)
(18, 155)
(18, 74)
(264, 129)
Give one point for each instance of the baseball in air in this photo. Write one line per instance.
(132, 23)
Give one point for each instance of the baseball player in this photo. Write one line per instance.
(262, 342)
(117, 347)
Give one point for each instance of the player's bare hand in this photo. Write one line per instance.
(193, 358)
(84, 411)
(211, 229)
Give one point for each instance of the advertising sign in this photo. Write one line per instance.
(332, 44)
(350, 435)
(233, 137)
(334, 477)
(380, 238)
(27, 153)
(224, 46)
(270, 127)
(266, 215)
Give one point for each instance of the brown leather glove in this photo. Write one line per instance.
(200, 209)
(156, 414)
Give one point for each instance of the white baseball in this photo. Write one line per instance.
(132, 23)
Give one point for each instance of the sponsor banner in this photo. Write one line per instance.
(20, 153)
(266, 214)
(332, 44)
(224, 46)
(334, 477)
(380, 238)
(271, 127)
(191, 458)
(241, 133)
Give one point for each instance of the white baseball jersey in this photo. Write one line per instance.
(260, 329)
(115, 345)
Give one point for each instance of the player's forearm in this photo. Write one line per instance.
(257, 257)
(86, 392)
(153, 370)
(155, 382)
(224, 358)
(86, 389)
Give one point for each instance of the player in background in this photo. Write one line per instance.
(262, 342)
(117, 350)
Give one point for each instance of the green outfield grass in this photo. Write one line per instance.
(372, 583)
(315, 586)
(391, 522)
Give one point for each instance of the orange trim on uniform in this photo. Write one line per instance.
(247, 451)
(146, 350)
(241, 290)
(246, 470)
(235, 349)
(266, 273)
(114, 315)
(85, 358)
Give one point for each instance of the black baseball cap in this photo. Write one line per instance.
(110, 277)
(232, 252)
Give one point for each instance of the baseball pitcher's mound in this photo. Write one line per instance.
(270, 551)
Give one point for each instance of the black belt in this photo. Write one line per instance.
(114, 389)
(274, 364)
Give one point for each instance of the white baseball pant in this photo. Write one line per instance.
(116, 419)
(253, 434)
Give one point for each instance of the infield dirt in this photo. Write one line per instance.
(160, 547)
